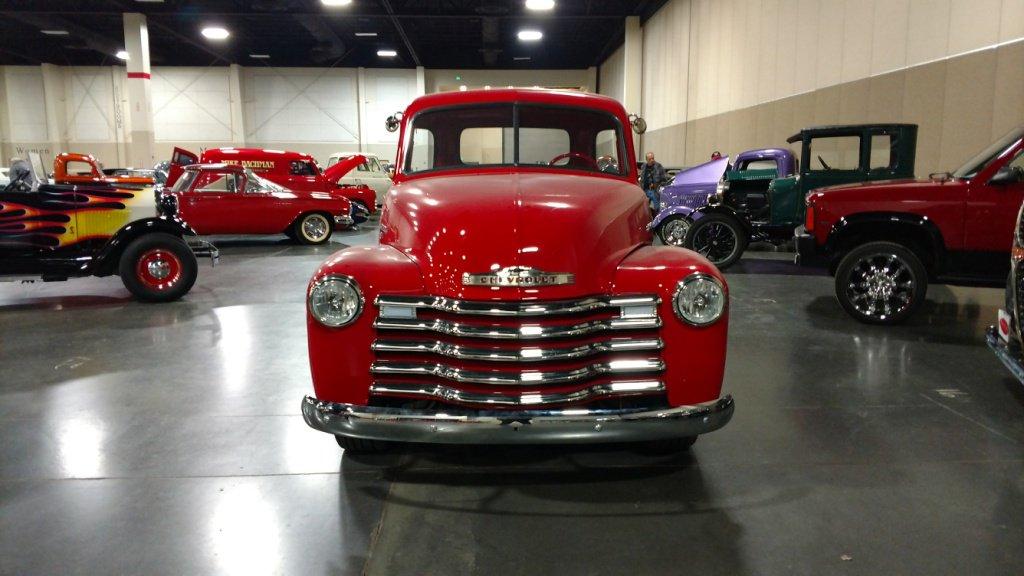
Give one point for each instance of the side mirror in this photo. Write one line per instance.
(1007, 175)
(393, 122)
(639, 124)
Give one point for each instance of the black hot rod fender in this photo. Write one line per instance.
(107, 259)
(728, 211)
(914, 231)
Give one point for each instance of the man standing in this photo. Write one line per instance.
(651, 177)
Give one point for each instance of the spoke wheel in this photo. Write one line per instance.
(673, 232)
(881, 283)
(718, 237)
(313, 229)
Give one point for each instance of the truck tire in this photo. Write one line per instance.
(313, 229)
(673, 231)
(881, 283)
(360, 445)
(718, 237)
(158, 267)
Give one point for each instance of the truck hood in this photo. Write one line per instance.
(882, 188)
(482, 223)
(344, 166)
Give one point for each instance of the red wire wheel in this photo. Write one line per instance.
(159, 269)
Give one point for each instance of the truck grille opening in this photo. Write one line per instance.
(517, 355)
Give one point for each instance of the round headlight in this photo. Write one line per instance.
(700, 299)
(335, 301)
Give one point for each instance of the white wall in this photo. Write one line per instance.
(440, 80)
(612, 73)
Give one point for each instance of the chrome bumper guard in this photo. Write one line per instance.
(570, 426)
(344, 221)
(203, 249)
(1013, 363)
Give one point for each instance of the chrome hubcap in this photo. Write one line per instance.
(314, 227)
(159, 268)
(675, 232)
(881, 286)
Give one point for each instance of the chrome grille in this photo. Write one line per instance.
(516, 354)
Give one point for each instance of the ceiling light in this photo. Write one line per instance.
(387, 53)
(334, 3)
(520, 57)
(215, 33)
(55, 32)
(259, 55)
(530, 35)
(366, 34)
(122, 54)
(462, 88)
(540, 4)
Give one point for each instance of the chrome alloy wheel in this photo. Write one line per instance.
(881, 286)
(315, 227)
(674, 231)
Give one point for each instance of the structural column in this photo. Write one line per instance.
(238, 133)
(421, 81)
(633, 68)
(56, 115)
(140, 98)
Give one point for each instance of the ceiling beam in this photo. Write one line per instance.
(401, 32)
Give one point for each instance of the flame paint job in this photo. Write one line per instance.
(437, 226)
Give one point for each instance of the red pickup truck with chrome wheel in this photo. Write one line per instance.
(884, 242)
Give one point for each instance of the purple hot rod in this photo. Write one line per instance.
(696, 187)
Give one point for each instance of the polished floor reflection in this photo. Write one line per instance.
(166, 439)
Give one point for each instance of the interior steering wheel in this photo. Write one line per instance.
(577, 155)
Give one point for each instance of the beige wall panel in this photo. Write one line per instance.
(783, 122)
(786, 58)
(924, 99)
(803, 114)
(765, 118)
(768, 50)
(1008, 109)
(857, 37)
(973, 25)
(690, 142)
(829, 63)
(805, 79)
(1011, 24)
(967, 113)
(853, 102)
(826, 105)
(612, 74)
(889, 38)
(885, 97)
(928, 33)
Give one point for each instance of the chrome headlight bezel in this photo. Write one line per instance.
(680, 293)
(344, 283)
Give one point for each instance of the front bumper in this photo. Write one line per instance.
(203, 249)
(579, 426)
(807, 251)
(342, 221)
(1013, 362)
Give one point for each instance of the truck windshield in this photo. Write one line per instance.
(972, 166)
(577, 139)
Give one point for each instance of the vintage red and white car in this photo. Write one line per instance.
(515, 295)
(229, 199)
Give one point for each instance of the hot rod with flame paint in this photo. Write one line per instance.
(515, 296)
(57, 232)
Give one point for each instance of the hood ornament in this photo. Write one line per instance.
(518, 277)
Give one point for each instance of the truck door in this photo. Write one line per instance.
(831, 160)
(303, 176)
(179, 159)
(992, 205)
(212, 203)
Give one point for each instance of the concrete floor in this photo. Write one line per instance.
(166, 439)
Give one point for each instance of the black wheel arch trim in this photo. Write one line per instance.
(848, 225)
(106, 260)
(726, 211)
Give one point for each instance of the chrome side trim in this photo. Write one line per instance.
(532, 354)
(527, 378)
(546, 426)
(592, 304)
(526, 332)
(448, 394)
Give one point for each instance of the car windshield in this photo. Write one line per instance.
(185, 181)
(972, 166)
(256, 183)
(577, 139)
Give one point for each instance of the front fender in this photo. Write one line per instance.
(694, 357)
(669, 212)
(340, 358)
(723, 209)
(107, 260)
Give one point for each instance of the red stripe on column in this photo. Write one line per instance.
(144, 75)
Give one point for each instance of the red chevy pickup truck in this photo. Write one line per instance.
(885, 241)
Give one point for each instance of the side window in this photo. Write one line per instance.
(300, 168)
(422, 155)
(883, 152)
(331, 161)
(766, 164)
(79, 168)
(212, 182)
(834, 153)
(374, 165)
(364, 167)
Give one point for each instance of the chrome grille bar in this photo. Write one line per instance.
(526, 332)
(526, 378)
(448, 394)
(517, 309)
(530, 354)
